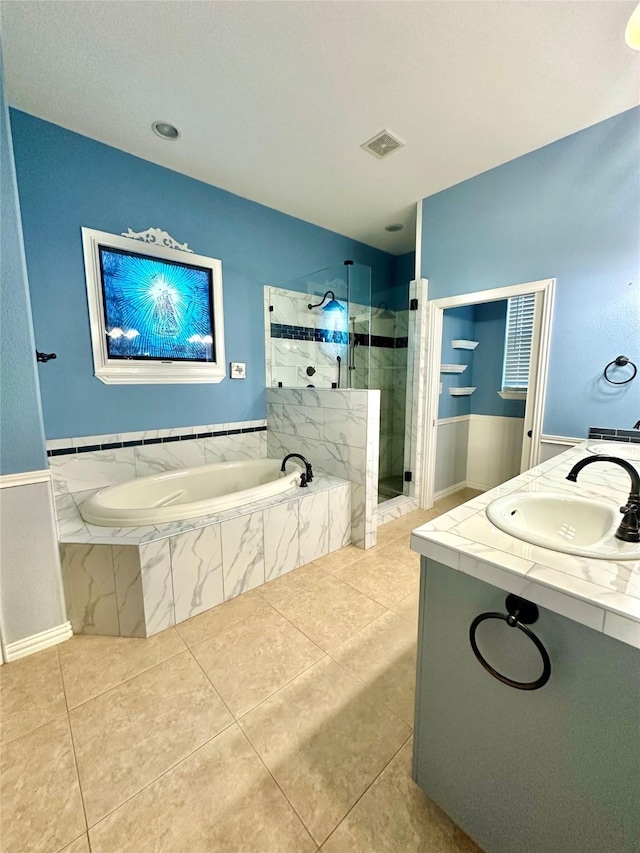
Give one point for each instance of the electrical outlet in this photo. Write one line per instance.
(238, 370)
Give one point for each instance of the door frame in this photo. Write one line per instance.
(538, 370)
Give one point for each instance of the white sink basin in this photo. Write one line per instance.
(572, 525)
(615, 448)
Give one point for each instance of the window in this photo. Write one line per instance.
(517, 346)
(155, 310)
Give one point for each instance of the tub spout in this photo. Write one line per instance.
(307, 477)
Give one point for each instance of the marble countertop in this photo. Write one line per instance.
(601, 594)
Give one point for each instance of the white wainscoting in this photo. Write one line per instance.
(495, 450)
(451, 454)
(33, 609)
(477, 451)
(553, 445)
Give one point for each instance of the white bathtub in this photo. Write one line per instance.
(189, 493)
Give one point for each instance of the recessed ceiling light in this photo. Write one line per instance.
(165, 130)
(395, 226)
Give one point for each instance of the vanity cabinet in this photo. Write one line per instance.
(552, 770)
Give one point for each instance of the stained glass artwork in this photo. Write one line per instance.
(156, 309)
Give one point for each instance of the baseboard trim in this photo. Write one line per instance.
(458, 487)
(38, 642)
(450, 490)
(481, 487)
(26, 478)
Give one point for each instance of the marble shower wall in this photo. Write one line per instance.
(338, 432)
(297, 338)
(153, 578)
(91, 462)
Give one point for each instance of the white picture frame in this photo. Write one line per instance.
(155, 244)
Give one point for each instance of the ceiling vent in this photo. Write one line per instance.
(382, 144)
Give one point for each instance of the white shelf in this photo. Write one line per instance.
(461, 392)
(464, 344)
(453, 368)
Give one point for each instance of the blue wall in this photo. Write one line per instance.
(457, 324)
(569, 211)
(22, 446)
(67, 181)
(488, 357)
(394, 294)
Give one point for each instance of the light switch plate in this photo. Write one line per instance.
(238, 370)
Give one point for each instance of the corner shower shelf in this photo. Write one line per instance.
(461, 392)
(464, 344)
(453, 368)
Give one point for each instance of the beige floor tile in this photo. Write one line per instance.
(329, 612)
(251, 660)
(337, 560)
(382, 577)
(31, 694)
(93, 665)
(126, 738)
(383, 657)
(41, 804)
(219, 800)
(456, 499)
(295, 581)
(395, 816)
(80, 845)
(408, 608)
(211, 622)
(402, 527)
(400, 550)
(325, 740)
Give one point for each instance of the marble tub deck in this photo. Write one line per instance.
(137, 581)
(279, 722)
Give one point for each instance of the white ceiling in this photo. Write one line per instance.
(274, 98)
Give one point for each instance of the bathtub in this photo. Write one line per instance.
(188, 493)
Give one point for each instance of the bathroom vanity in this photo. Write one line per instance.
(554, 767)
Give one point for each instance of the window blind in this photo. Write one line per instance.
(518, 338)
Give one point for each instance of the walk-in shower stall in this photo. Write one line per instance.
(328, 330)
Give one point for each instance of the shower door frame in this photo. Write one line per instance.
(538, 372)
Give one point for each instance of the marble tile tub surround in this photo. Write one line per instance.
(338, 431)
(93, 461)
(602, 594)
(135, 582)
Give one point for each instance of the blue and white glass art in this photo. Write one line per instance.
(156, 309)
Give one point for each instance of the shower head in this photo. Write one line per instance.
(332, 305)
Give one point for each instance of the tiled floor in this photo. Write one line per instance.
(279, 722)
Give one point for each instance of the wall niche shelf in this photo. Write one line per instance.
(453, 368)
(461, 392)
(464, 344)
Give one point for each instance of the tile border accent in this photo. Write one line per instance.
(305, 333)
(630, 436)
(37, 642)
(186, 436)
